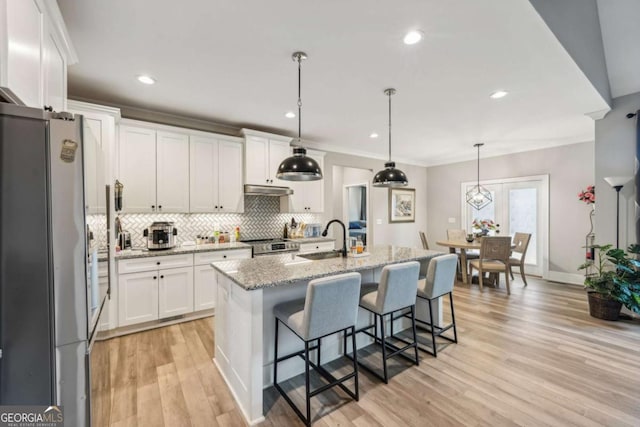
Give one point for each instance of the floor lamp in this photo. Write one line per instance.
(617, 182)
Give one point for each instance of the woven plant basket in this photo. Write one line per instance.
(603, 308)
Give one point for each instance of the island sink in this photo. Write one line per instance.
(321, 255)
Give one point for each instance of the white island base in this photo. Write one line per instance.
(244, 338)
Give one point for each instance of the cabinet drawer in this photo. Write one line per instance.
(154, 263)
(316, 247)
(209, 257)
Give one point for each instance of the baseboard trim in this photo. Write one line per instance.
(562, 277)
(132, 329)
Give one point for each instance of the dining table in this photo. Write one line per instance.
(463, 246)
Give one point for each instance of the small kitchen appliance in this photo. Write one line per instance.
(161, 235)
(124, 240)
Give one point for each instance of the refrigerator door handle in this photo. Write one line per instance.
(108, 206)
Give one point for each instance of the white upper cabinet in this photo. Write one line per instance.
(216, 175)
(203, 188)
(176, 170)
(35, 52)
(137, 147)
(24, 35)
(263, 155)
(230, 191)
(308, 196)
(172, 172)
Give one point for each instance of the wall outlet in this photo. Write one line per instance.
(378, 221)
(452, 220)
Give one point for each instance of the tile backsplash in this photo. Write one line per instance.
(261, 220)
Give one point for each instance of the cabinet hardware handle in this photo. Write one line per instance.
(220, 206)
(266, 180)
(155, 277)
(153, 207)
(158, 263)
(224, 256)
(159, 206)
(216, 206)
(162, 277)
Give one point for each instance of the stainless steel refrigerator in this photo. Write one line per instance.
(50, 298)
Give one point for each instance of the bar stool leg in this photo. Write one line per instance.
(415, 334)
(384, 349)
(453, 319)
(433, 332)
(275, 357)
(307, 382)
(355, 359)
(319, 339)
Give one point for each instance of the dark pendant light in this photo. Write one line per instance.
(478, 196)
(299, 167)
(390, 176)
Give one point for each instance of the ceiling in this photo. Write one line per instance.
(620, 26)
(230, 62)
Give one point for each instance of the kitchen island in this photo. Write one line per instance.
(244, 322)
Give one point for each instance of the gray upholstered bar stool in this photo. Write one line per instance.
(395, 292)
(441, 274)
(330, 307)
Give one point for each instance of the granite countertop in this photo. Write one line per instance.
(311, 239)
(142, 253)
(279, 270)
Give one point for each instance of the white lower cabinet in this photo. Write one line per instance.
(137, 297)
(175, 292)
(153, 288)
(204, 287)
(205, 279)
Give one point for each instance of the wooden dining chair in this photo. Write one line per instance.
(423, 239)
(521, 243)
(494, 258)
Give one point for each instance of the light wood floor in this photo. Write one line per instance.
(533, 358)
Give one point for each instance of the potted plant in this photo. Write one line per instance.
(616, 281)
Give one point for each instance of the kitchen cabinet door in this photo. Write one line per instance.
(308, 196)
(203, 174)
(172, 172)
(137, 298)
(54, 74)
(138, 168)
(229, 179)
(278, 151)
(175, 290)
(256, 160)
(23, 43)
(205, 287)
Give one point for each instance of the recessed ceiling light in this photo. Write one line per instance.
(413, 37)
(499, 94)
(373, 135)
(146, 80)
(290, 115)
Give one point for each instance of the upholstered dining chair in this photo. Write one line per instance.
(521, 243)
(494, 258)
(423, 239)
(459, 235)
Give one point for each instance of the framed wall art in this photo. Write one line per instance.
(402, 205)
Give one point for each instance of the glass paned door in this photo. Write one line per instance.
(518, 206)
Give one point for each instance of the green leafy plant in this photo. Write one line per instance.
(617, 275)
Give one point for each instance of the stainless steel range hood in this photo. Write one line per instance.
(266, 190)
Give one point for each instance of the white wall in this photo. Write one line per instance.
(405, 234)
(570, 169)
(615, 150)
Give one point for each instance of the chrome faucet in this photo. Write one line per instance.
(344, 235)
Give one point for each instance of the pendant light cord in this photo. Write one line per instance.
(478, 168)
(389, 92)
(299, 99)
